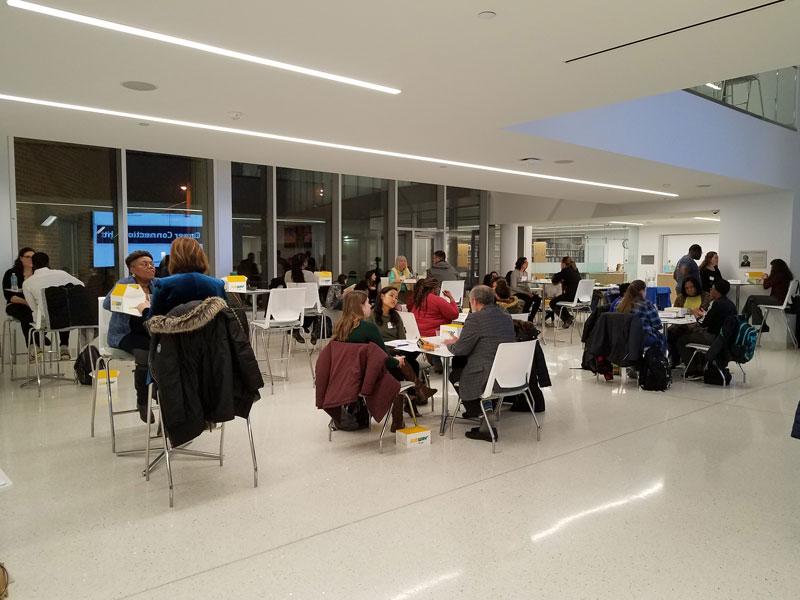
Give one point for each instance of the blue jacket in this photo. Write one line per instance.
(172, 291)
(120, 324)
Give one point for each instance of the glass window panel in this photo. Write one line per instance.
(463, 229)
(365, 223)
(416, 205)
(66, 207)
(304, 205)
(249, 226)
(168, 197)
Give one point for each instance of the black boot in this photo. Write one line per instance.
(140, 383)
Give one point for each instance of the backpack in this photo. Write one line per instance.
(333, 300)
(714, 376)
(654, 373)
(84, 364)
(741, 339)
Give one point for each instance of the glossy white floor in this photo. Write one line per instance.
(691, 493)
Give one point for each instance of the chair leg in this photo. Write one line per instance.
(383, 430)
(265, 343)
(411, 408)
(107, 365)
(453, 416)
(147, 441)
(761, 329)
(744, 375)
(689, 364)
(489, 425)
(330, 430)
(166, 454)
(789, 329)
(252, 452)
(221, 441)
(528, 397)
(94, 393)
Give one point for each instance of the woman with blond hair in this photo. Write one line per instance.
(188, 281)
(400, 271)
(355, 327)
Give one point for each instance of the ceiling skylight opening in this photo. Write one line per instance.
(177, 41)
(322, 144)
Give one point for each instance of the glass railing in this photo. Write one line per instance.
(771, 95)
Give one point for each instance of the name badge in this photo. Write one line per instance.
(390, 325)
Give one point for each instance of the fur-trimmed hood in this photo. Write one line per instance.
(187, 317)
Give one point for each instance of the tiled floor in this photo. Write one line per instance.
(692, 493)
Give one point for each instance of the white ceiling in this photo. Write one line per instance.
(464, 80)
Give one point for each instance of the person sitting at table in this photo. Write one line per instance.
(369, 285)
(695, 301)
(637, 303)
(709, 271)
(33, 288)
(17, 307)
(400, 271)
(503, 298)
(391, 328)
(355, 327)
(485, 328)
(521, 288)
(299, 273)
(568, 277)
(709, 324)
(441, 270)
(431, 310)
(777, 282)
(127, 332)
(489, 278)
(623, 287)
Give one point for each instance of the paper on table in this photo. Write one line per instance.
(398, 343)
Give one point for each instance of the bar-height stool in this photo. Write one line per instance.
(284, 315)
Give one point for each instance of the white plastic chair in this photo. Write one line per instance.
(8, 344)
(384, 282)
(454, 287)
(510, 375)
(314, 308)
(103, 363)
(410, 325)
(794, 285)
(581, 302)
(284, 315)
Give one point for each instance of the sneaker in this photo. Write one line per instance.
(31, 354)
(298, 336)
(566, 324)
(314, 337)
(64, 350)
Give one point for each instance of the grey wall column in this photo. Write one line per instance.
(271, 233)
(336, 228)
(221, 211)
(122, 212)
(392, 233)
(441, 216)
(8, 204)
(483, 240)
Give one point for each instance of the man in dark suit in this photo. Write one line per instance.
(710, 323)
(486, 327)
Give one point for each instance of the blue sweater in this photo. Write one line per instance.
(172, 291)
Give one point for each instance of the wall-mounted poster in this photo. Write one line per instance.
(753, 259)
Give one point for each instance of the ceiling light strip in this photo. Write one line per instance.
(322, 144)
(176, 41)
(706, 219)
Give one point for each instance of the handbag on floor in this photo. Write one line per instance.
(84, 364)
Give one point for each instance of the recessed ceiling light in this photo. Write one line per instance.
(322, 144)
(235, 115)
(564, 161)
(49, 221)
(176, 41)
(706, 219)
(487, 14)
(139, 86)
(713, 86)
(625, 223)
(704, 185)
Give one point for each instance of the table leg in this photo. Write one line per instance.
(255, 305)
(738, 289)
(445, 382)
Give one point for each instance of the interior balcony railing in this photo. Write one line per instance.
(771, 96)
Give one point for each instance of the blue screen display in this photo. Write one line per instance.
(151, 231)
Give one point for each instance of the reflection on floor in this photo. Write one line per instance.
(691, 493)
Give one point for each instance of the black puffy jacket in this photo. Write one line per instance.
(204, 366)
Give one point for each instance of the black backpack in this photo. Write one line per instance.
(654, 373)
(84, 364)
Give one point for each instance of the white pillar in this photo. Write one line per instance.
(509, 247)
(7, 217)
(527, 241)
(222, 218)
